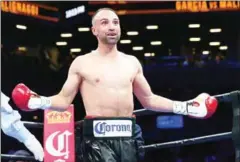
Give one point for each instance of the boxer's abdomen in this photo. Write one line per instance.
(103, 100)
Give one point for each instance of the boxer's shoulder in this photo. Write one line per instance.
(81, 59)
(78, 63)
(130, 57)
(134, 60)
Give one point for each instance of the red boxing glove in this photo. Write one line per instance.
(21, 94)
(203, 106)
(211, 104)
(27, 100)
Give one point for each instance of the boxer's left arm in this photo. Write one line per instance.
(202, 106)
(144, 94)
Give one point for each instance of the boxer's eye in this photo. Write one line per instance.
(104, 22)
(116, 22)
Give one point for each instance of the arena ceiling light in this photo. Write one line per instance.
(132, 33)
(215, 30)
(214, 43)
(137, 48)
(155, 43)
(127, 41)
(22, 49)
(194, 26)
(66, 35)
(75, 50)
(22, 27)
(149, 54)
(205, 52)
(194, 39)
(152, 27)
(223, 47)
(61, 43)
(83, 29)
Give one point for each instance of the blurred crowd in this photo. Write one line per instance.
(190, 58)
(56, 59)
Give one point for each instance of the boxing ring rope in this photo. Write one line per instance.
(17, 157)
(196, 140)
(189, 141)
(33, 124)
(233, 97)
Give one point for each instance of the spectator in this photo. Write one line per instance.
(219, 58)
(199, 62)
(188, 61)
(52, 55)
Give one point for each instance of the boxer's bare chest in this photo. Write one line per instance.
(112, 73)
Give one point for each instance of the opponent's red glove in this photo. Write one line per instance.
(203, 106)
(27, 100)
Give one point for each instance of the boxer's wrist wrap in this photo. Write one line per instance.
(40, 102)
(46, 102)
(180, 108)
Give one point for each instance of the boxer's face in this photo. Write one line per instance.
(106, 27)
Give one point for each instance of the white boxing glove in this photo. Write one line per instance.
(203, 106)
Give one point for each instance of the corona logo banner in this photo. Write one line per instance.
(59, 137)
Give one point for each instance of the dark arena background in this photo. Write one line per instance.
(185, 47)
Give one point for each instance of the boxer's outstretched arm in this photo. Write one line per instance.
(27, 100)
(145, 95)
(203, 106)
(64, 98)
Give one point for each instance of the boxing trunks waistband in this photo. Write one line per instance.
(109, 127)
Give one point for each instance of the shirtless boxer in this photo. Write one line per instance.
(13, 127)
(107, 79)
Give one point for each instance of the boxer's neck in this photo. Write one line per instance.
(107, 50)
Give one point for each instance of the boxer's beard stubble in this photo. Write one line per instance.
(111, 41)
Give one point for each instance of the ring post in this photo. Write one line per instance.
(59, 136)
(236, 123)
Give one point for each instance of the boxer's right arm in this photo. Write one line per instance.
(64, 98)
(27, 100)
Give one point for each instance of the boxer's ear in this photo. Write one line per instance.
(94, 31)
